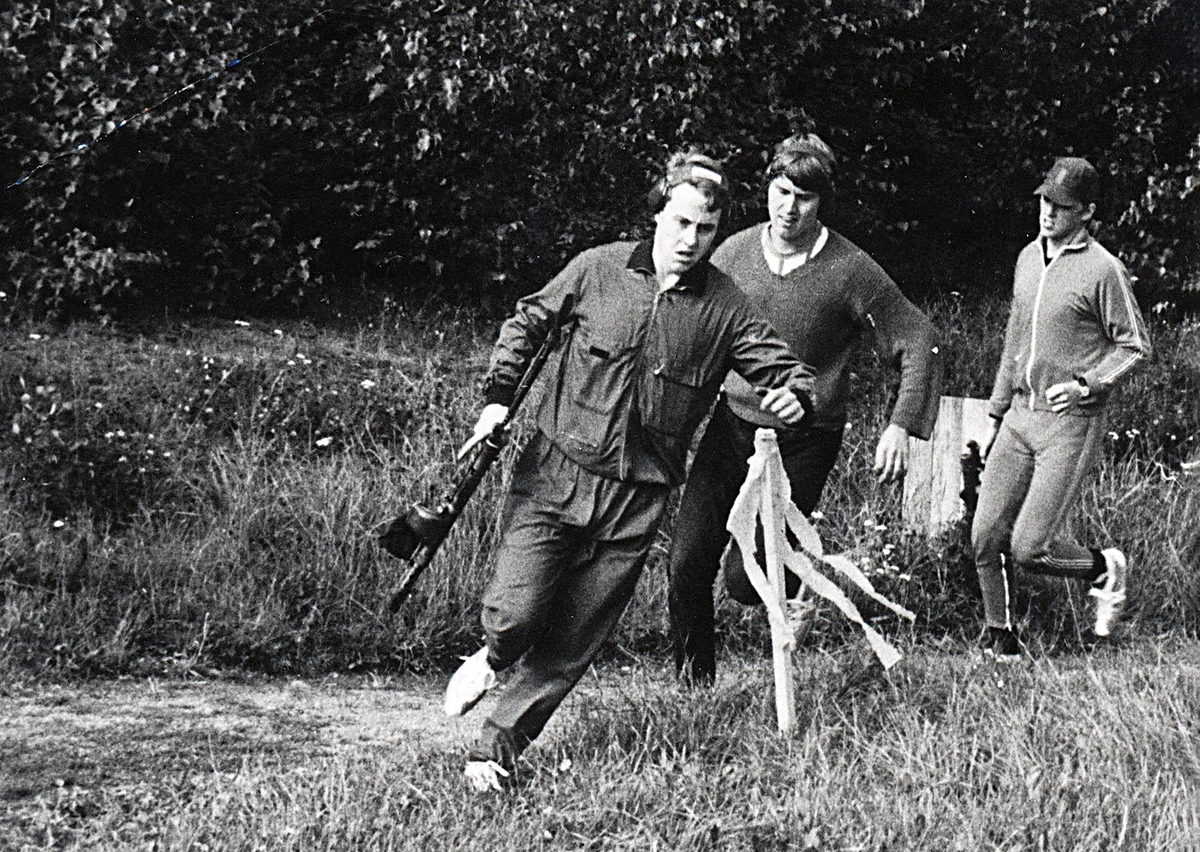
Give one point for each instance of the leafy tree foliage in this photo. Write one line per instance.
(463, 150)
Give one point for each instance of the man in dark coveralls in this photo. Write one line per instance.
(654, 330)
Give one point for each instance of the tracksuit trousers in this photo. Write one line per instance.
(572, 548)
(1033, 477)
(699, 535)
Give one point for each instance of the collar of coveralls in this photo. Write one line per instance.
(642, 260)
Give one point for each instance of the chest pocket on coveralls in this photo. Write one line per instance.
(597, 367)
(674, 399)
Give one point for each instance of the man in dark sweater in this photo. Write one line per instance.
(822, 294)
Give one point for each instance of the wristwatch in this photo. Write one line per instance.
(1084, 389)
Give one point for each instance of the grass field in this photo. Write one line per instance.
(203, 502)
(1071, 752)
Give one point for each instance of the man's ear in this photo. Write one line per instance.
(1089, 212)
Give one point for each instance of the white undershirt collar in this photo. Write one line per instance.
(786, 264)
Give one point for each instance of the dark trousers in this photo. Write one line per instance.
(572, 549)
(699, 539)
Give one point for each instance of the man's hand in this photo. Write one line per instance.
(784, 404)
(491, 417)
(1064, 396)
(891, 456)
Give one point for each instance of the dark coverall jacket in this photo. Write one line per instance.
(640, 368)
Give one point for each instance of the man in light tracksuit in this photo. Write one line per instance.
(655, 328)
(1073, 335)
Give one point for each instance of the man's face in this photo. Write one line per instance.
(793, 211)
(1059, 222)
(683, 230)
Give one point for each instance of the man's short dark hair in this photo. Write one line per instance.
(694, 168)
(807, 161)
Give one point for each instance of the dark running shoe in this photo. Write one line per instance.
(1002, 645)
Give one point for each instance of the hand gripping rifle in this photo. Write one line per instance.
(416, 535)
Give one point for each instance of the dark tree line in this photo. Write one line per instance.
(463, 149)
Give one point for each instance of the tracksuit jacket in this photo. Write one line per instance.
(1072, 318)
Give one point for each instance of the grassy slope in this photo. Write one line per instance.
(207, 498)
(199, 518)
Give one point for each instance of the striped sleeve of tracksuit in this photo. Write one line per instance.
(1122, 325)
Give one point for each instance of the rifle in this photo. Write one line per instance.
(416, 535)
(971, 462)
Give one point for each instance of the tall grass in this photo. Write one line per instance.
(208, 498)
(262, 465)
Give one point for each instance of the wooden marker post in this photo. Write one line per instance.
(762, 501)
(774, 540)
(765, 503)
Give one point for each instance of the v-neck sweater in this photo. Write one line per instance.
(822, 309)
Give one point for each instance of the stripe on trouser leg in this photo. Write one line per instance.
(1007, 592)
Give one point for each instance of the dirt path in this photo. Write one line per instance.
(121, 732)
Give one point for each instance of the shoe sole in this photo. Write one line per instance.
(1104, 627)
(1104, 630)
(1002, 659)
(466, 707)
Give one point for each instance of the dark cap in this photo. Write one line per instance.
(1071, 180)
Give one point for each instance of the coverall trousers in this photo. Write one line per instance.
(1033, 478)
(699, 536)
(572, 548)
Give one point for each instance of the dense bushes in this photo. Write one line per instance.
(464, 150)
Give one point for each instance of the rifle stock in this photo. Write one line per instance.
(971, 462)
(416, 535)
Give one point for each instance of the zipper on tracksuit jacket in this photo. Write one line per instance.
(1033, 328)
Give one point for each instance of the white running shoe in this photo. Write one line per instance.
(470, 683)
(484, 775)
(1110, 596)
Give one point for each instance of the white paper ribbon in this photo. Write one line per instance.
(766, 475)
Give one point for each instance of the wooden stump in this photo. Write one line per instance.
(933, 485)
